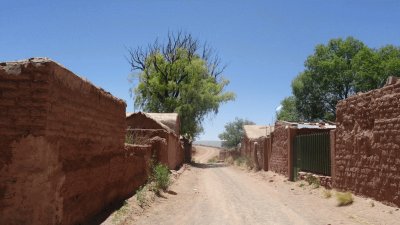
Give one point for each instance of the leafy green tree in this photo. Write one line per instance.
(288, 111)
(179, 76)
(233, 133)
(373, 67)
(338, 70)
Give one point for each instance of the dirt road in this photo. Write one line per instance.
(216, 194)
(203, 154)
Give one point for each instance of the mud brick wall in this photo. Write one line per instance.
(367, 148)
(267, 151)
(63, 158)
(141, 125)
(254, 150)
(278, 161)
(151, 136)
(260, 152)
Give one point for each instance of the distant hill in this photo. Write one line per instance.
(209, 143)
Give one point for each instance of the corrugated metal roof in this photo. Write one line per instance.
(300, 125)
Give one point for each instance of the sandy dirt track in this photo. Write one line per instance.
(217, 194)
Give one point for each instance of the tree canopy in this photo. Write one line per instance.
(182, 76)
(338, 70)
(234, 132)
(288, 111)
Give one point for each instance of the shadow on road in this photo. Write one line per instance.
(208, 165)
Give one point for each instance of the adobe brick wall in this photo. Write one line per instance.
(151, 136)
(249, 150)
(245, 147)
(267, 152)
(280, 156)
(367, 147)
(278, 161)
(143, 126)
(62, 157)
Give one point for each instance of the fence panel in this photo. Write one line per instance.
(312, 154)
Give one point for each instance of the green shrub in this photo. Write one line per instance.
(161, 177)
(345, 198)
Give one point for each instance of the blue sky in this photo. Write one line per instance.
(264, 43)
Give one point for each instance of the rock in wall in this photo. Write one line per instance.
(62, 157)
(367, 147)
(278, 161)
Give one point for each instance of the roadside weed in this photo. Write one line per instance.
(161, 178)
(344, 198)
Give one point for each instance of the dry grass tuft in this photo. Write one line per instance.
(344, 198)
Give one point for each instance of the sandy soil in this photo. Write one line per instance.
(203, 154)
(219, 194)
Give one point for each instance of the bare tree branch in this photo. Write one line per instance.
(177, 45)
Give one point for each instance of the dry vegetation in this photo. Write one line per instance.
(132, 138)
(344, 198)
(213, 159)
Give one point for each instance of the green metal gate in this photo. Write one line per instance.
(311, 153)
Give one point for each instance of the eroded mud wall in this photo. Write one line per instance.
(367, 148)
(151, 136)
(143, 127)
(278, 161)
(63, 158)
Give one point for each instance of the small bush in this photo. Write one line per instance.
(345, 198)
(161, 177)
